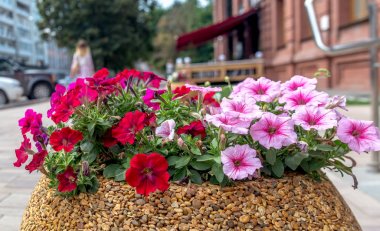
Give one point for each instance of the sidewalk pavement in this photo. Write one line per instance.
(16, 184)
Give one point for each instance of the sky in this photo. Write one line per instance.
(168, 3)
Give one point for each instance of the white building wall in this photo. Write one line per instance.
(20, 37)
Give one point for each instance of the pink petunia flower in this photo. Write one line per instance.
(298, 81)
(360, 135)
(231, 123)
(336, 102)
(240, 162)
(37, 161)
(274, 131)
(315, 118)
(263, 89)
(204, 90)
(303, 97)
(166, 129)
(241, 106)
(237, 90)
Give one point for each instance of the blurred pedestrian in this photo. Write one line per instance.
(82, 65)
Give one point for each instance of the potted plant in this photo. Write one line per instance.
(125, 153)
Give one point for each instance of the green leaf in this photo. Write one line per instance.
(270, 156)
(214, 143)
(201, 166)
(205, 158)
(294, 161)
(217, 170)
(182, 161)
(195, 151)
(86, 146)
(126, 163)
(195, 177)
(316, 165)
(324, 147)
(179, 174)
(110, 170)
(278, 168)
(91, 128)
(89, 157)
(120, 174)
(172, 160)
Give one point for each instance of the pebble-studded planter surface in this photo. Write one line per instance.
(294, 202)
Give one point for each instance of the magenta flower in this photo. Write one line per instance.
(240, 162)
(315, 118)
(360, 135)
(298, 81)
(166, 129)
(262, 89)
(243, 107)
(150, 98)
(22, 152)
(204, 90)
(274, 131)
(31, 122)
(303, 97)
(231, 123)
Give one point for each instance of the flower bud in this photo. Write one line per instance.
(199, 143)
(207, 84)
(85, 168)
(226, 79)
(303, 146)
(180, 142)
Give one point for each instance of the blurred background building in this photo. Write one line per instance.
(20, 38)
(287, 44)
(284, 38)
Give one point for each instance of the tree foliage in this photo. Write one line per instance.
(119, 32)
(179, 19)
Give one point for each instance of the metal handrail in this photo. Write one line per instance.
(371, 44)
(336, 49)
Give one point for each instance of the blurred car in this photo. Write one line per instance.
(10, 90)
(37, 83)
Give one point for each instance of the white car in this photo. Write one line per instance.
(10, 90)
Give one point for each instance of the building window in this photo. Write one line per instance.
(229, 8)
(305, 25)
(280, 23)
(352, 11)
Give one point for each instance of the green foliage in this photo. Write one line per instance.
(181, 18)
(113, 28)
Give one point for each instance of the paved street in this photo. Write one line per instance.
(16, 184)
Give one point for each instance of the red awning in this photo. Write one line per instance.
(204, 34)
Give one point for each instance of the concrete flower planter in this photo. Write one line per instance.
(294, 202)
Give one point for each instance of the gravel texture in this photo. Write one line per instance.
(294, 202)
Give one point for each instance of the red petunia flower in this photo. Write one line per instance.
(102, 74)
(180, 91)
(65, 139)
(37, 161)
(108, 140)
(67, 180)
(194, 129)
(209, 99)
(150, 120)
(31, 122)
(127, 128)
(22, 152)
(147, 173)
(65, 108)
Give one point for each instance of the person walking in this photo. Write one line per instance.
(82, 65)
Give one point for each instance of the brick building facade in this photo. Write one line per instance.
(287, 44)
